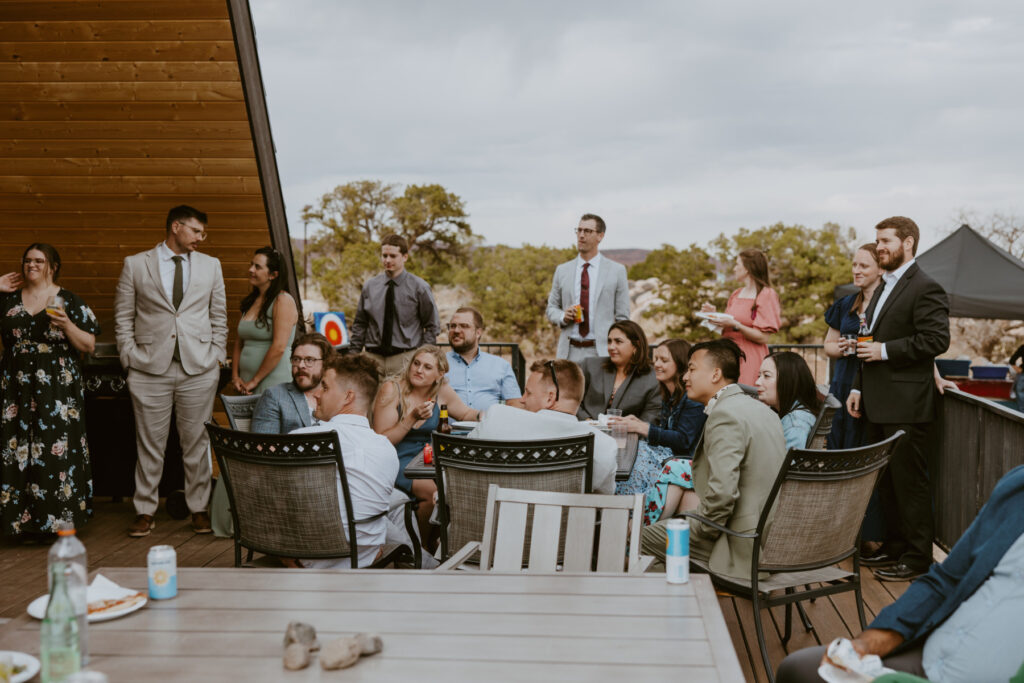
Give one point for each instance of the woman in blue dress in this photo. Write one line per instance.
(843, 317)
(678, 425)
(408, 409)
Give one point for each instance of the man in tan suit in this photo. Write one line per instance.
(171, 324)
(738, 457)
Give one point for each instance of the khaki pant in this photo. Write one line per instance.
(653, 542)
(392, 365)
(153, 398)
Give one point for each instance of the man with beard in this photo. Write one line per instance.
(480, 379)
(909, 321)
(289, 405)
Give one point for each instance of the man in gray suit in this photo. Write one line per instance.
(738, 457)
(170, 321)
(287, 406)
(591, 289)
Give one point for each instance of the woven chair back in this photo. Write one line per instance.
(239, 410)
(286, 492)
(469, 466)
(818, 437)
(820, 504)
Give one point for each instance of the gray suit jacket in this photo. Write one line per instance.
(612, 302)
(146, 324)
(281, 409)
(737, 460)
(637, 395)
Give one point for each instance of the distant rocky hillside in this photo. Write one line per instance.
(627, 257)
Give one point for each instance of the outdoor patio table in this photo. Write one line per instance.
(627, 457)
(228, 624)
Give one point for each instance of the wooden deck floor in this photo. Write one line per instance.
(23, 569)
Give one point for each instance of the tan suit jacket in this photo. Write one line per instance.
(735, 465)
(147, 325)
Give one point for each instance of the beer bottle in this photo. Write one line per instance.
(864, 334)
(444, 427)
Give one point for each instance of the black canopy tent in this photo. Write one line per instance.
(981, 279)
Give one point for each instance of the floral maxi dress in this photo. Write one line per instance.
(45, 474)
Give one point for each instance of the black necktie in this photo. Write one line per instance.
(178, 290)
(389, 318)
(869, 314)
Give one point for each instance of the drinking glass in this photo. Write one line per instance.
(55, 303)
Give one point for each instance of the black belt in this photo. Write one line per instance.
(582, 344)
(387, 353)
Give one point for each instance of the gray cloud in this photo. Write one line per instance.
(675, 121)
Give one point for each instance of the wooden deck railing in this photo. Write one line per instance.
(973, 443)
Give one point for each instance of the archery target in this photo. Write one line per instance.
(332, 326)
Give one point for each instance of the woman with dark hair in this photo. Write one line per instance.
(785, 384)
(843, 318)
(752, 314)
(624, 379)
(45, 476)
(678, 425)
(265, 332)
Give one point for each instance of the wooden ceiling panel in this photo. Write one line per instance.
(108, 31)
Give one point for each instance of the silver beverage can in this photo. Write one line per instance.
(163, 572)
(677, 551)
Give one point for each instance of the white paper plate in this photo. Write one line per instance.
(465, 424)
(37, 609)
(30, 663)
(713, 316)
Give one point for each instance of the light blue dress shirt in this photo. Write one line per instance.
(980, 640)
(484, 381)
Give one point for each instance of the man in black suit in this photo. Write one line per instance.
(909, 320)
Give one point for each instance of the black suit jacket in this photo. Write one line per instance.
(914, 325)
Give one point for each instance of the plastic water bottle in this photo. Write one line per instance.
(58, 634)
(70, 551)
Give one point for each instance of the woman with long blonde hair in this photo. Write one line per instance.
(407, 410)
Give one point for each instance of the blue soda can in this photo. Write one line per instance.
(162, 562)
(677, 551)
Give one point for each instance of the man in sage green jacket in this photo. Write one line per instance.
(737, 459)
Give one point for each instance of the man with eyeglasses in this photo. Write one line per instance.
(480, 379)
(289, 405)
(587, 295)
(171, 323)
(553, 393)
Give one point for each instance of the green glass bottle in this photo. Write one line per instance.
(58, 646)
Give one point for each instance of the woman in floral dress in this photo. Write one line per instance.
(44, 457)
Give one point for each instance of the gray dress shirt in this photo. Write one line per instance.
(416, 319)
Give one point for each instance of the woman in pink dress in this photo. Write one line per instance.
(752, 314)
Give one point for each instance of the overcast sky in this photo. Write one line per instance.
(674, 120)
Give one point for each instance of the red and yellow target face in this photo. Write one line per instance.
(332, 326)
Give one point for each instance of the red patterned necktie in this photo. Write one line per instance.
(585, 301)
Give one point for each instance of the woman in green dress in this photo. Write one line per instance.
(45, 476)
(267, 327)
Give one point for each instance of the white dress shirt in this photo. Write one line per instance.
(371, 467)
(890, 279)
(166, 257)
(595, 264)
(505, 423)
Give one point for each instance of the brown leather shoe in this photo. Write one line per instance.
(142, 525)
(201, 523)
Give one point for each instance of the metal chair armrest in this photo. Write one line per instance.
(715, 525)
(460, 556)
